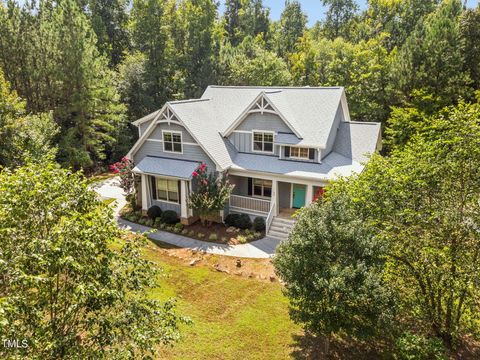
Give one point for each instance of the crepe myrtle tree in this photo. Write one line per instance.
(69, 285)
(211, 195)
(128, 180)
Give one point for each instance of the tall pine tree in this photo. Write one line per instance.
(291, 27)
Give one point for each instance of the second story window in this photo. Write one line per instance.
(263, 141)
(300, 153)
(172, 141)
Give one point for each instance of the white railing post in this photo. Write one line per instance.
(270, 216)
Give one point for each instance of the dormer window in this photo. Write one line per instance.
(263, 141)
(292, 152)
(172, 141)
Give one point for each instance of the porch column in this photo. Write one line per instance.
(189, 187)
(183, 199)
(309, 195)
(144, 193)
(275, 196)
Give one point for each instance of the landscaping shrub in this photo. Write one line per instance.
(191, 233)
(149, 222)
(213, 237)
(142, 221)
(231, 219)
(257, 235)
(169, 217)
(259, 223)
(244, 222)
(179, 226)
(201, 235)
(241, 239)
(413, 346)
(154, 212)
(184, 232)
(158, 222)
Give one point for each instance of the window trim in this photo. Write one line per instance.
(263, 141)
(168, 196)
(300, 157)
(181, 141)
(263, 188)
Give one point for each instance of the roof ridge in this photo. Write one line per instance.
(176, 102)
(362, 122)
(274, 87)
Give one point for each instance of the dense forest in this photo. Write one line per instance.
(75, 73)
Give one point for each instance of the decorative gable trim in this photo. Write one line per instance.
(261, 104)
(166, 115)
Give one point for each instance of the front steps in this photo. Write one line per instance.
(280, 228)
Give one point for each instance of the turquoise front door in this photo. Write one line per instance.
(298, 195)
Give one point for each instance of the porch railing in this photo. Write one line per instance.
(249, 203)
(270, 216)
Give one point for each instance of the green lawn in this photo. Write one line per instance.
(234, 317)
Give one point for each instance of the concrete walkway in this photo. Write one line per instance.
(260, 249)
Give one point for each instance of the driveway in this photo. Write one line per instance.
(260, 249)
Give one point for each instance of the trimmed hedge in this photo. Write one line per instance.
(232, 219)
(244, 222)
(169, 217)
(154, 212)
(259, 223)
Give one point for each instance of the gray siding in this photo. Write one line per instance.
(241, 185)
(157, 132)
(333, 132)
(155, 148)
(284, 194)
(269, 122)
(243, 143)
(143, 126)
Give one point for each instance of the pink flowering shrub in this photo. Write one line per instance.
(211, 194)
(127, 179)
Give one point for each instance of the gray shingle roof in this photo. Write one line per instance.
(180, 169)
(332, 166)
(309, 110)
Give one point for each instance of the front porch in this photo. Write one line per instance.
(264, 197)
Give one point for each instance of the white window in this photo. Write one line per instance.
(167, 190)
(172, 141)
(262, 188)
(300, 153)
(263, 141)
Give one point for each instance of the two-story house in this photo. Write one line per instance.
(279, 146)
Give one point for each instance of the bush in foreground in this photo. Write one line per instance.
(154, 212)
(63, 279)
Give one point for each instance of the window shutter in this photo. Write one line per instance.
(250, 184)
(311, 154)
(287, 151)
(154, 187)
(179, 189)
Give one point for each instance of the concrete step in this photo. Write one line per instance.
(280, 228)
(277, 235)
(284, 221)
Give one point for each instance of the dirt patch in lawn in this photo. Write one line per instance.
(260, 269)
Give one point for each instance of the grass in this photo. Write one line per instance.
(234, 317)
(100, 177)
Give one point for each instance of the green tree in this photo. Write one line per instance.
(398, 18)
(24, 136)
(290, 28)
(244, 18)
(195, 49)
(109, 21)
(333, 267)
(232, 20)
(340, 13)
(431, 60)
(68, 286)
(54, 64)
(150, 23)
(470, 34)
(424, 202)
(362, 68)
(251, 64)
